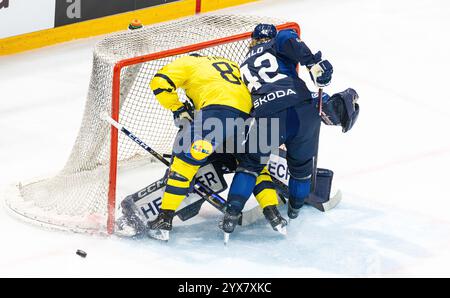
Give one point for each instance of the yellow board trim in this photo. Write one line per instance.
(209, 5)
(151, 15)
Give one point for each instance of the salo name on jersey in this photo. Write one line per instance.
(272, 96)
(254, 52)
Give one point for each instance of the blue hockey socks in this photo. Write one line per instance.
(240, 190)
(298, 191)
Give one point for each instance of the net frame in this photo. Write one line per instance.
(115, 103)
(98, 151)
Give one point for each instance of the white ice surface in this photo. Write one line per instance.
(394, 219)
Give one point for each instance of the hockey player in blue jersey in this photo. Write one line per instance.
(270, 73)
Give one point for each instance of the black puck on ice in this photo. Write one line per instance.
(81, 253)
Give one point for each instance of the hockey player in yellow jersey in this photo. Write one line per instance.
(206, 80)
(214, 86)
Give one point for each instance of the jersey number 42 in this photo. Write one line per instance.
(267, 73)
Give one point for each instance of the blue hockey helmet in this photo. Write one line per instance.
(264, 31)
(341, 109)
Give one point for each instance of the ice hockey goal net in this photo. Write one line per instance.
(82, 196)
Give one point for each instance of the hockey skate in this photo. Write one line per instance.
(160, 227)
(275, 219)
(292, 212)
(228, 224)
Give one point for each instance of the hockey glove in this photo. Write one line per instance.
(185, 113)
(321, 73)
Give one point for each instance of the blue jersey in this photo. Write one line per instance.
(269, 71)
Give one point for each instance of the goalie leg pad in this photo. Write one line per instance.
(131, 222)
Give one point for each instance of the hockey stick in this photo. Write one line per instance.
(314, 175)
(202, 190)
(315, 200)
(320, 100)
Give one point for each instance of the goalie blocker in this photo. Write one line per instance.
(144, 205)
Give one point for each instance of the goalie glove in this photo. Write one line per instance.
(341, 109)
(321, 73)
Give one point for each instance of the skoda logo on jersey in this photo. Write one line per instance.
(272, 96)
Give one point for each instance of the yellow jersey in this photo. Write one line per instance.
(207, 80)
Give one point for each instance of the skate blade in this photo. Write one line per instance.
(282, 230)
(162, 235)
(226, 238)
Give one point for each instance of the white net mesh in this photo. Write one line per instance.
(76, 199)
